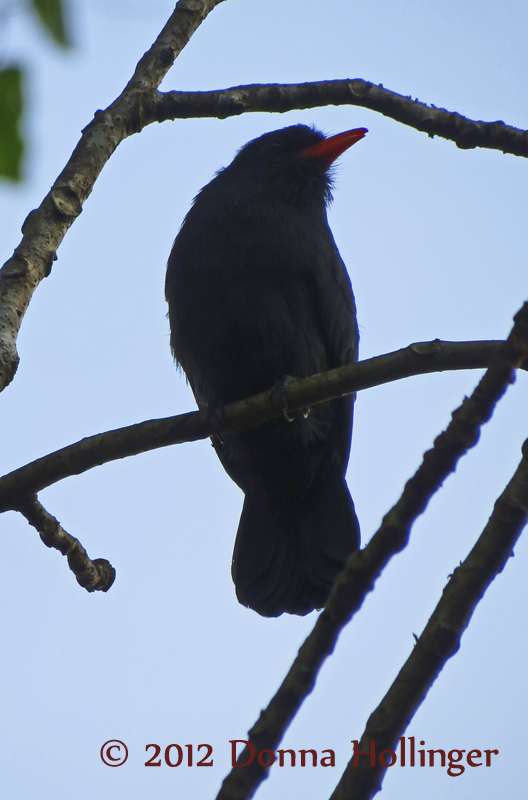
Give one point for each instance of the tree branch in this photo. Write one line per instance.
(441, 637)
(416, 359)
(279, 98)
(45, 228)
(94, 576)
(365, 566)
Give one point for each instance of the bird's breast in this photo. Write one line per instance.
(243, 301)
(239, 336)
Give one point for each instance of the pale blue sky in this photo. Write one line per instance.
(435, 240)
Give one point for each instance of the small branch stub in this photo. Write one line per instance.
(94, 576)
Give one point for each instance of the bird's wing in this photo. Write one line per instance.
(334, 299)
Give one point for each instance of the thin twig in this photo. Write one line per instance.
(416, 359)
(441, 637)
(365, 566)
(94, 576)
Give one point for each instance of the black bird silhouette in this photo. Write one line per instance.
(257, 291)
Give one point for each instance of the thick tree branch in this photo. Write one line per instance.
(416, 359)
(45, 227)
(278, 98)
(365, 566)
(94, 576)
(441, 637)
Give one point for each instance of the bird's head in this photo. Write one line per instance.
(291, 164)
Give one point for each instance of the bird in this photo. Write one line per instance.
(257, 292)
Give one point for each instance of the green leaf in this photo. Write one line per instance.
(11, 105)
(51, 15)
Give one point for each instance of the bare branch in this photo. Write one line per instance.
(416, 359)
(45, 228)
(94, 576)
(441, 637)
(279, 98)
(365, 566)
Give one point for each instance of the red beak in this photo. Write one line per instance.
(330, 149)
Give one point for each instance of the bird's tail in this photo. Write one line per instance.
(290, 547)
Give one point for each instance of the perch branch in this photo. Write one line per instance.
(416, 359)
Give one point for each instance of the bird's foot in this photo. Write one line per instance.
(280, 390)
(214, 418)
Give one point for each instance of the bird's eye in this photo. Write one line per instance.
(273, 146)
